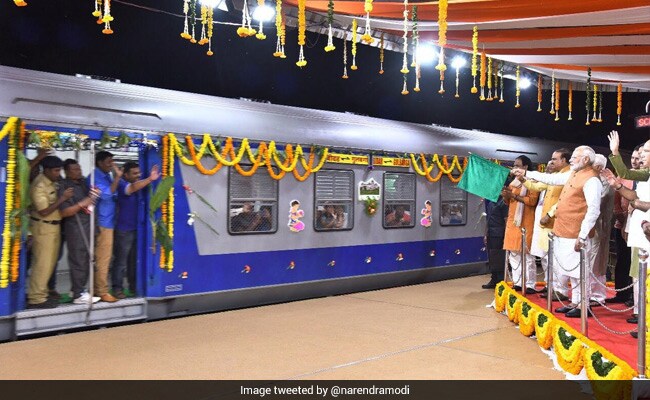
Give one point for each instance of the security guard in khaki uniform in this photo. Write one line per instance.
(46, 230)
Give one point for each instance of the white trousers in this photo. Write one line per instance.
(636, 295)
(598, 289)
(530, 268)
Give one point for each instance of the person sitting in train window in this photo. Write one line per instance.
(76, 222)
(445, 214)
(266, 219)
(399, 216)
(46, 230)
(327, 219)
(455, 215)
(341, 217)
(126, 228)
(247, 220)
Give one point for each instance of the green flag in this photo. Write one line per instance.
(483, 178)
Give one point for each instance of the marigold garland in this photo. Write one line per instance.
(405, 90)
(619, 103)
(442, 78)
(501, 292)
(170, 214)
(260, 34)
(474, 58)
(544, 323)
(457, 80)
(570, 118)
(588, 93)
(415, 36)
(279, 29)
(245, 30)
(353, 67)
(381, 54)
(163, 207)
(599, 368)
(186, 8)
(107, 18)
(302, 26)
(501, 98)
(204, 22)
(366, 38)
(443, 167)
(20, 3)
(483, 74)
(9, 130)
(405, 68)
(557, 100)
(330, 18)
(210, 23)
(442, 33)
(594, 118)
(569, 350)
(552, 94)
(345, 59)
(517, 90)
(527, 317)
(539, 92)
(512, 306)
(600, 106)
(496, 79)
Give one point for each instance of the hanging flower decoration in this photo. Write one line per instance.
(600, 106)
(279, 29)
(442, 82)
(588, 93)
(246, 30)
(106, 18)
(442, 34)
(260, 34)
(405, 68)
(417, 78)
(353, 67)
(539, 92)
(345, 59)
(415, 36)
(552, 94)
(570, 101)
(370, 206)
(517, 90)
(193, 5)
(20, 3)
(186, 27)
(330, 19)
(204, 23)
(443, 167)
(557, 100)
(210, 23)
(619, 103)
(483, 74)
(98, 10)
(405, 90)
(594, 118)
(302, 26)
(457, 79)
(496, 80)
(381, 54)
(367, 38)
(474, 58)
(501, 98)
(489, 79)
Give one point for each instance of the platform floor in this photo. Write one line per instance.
(440, 330)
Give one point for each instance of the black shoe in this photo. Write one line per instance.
(564, 310)
(542, 291)
(633, 320)
(556, 296)
(634, 334)
(49, 303)
(615, 300)
(517, 288)
(629, 303)
(54, 295)
(530, 290)
(576, 313)
(489, 285)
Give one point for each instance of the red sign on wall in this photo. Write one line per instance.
(642, 121)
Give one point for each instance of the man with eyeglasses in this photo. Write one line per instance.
(577, 212)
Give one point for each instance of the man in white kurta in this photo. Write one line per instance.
(577, 212)
(603, 229)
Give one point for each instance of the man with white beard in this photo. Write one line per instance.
(603, 230)
(577, 212)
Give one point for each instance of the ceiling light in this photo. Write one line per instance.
(263, 13)
(220, 4)
(458, 62)
(426, 54)
(524, 83)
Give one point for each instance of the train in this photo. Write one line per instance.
(365, 220)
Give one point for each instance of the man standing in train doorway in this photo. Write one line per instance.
(126, 227)
(521, 214)
(107, 185)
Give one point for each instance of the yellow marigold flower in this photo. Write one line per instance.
(417, 89)
(405, 92)
(474, 90)
(354, 68)
(519, 105)
(108, 18)
(209, 52)
(489, 99)
(344, 77)
(283, 56)
(97, 13)
(277, 54)
(100, 21)
(260, 36)
(404, 70)
(251, 32)
(456, 95)
(108, 31)
(329, 48)
(503, 101)
(192, 40)
(367, 39)
(441, 91)
(381, 72)
(186, 35)
(441, 67)
(301, 63)
(203, 41)
(242, 32)
(20, 3)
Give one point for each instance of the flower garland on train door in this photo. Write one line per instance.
(167, 208)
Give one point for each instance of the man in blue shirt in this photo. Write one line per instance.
(105, 210)
(126, 227)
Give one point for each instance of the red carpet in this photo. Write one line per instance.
(623, 346)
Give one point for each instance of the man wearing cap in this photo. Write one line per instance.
(46, 230)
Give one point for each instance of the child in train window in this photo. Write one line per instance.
(398, 215)
(245, 219)
(327, 218)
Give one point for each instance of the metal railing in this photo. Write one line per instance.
(643, 274)
(524, 266)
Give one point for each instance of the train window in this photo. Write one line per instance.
(453, 204)
(252, 203)
(399, 200)
(334, 200)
